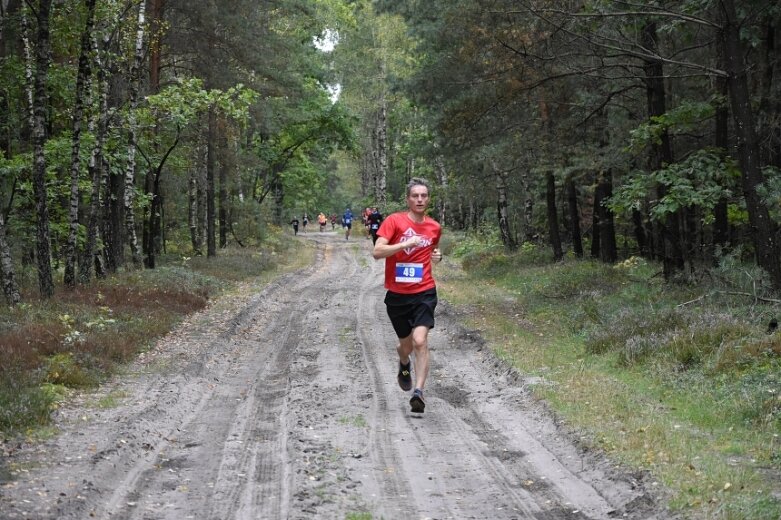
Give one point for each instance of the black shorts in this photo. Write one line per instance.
(407, 311)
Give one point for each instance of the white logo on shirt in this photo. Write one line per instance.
(424, 241)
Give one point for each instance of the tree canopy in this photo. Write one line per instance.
(192, 125)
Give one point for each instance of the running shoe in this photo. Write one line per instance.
(416, 402)
(404, 377)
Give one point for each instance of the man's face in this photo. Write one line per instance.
(417, 200)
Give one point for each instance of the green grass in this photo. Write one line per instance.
(678, 380)
(358, 516)
(111, 400)
(358, 421)
(76, 339)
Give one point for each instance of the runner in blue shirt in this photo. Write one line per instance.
(347, 223)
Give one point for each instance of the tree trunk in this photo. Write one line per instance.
(211, 243)
(367, 171)
(39, 108)
(151, 220)
(223, 187)
(156, 25)
(769, 102)
(441, 172)
(528, 209)
(553, 217)
(192, 192)
(10, 288)
(130, 172)
(595, 212)
(763, 229)
(661, 154)
(201, 207)
(640, 234)
(82, 87)
(720, 217)
(113, 220)
(155, 217)
(608, 251)
(96, 169)
(380, 191)
(574, 217)
(501, 206)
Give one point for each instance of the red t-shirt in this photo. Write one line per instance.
(409, 270)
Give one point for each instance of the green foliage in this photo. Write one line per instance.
(299, 152)
(701, 180)
(486, 241)
(733, 274)
(63, 369)
(770, 191)
(686, 117)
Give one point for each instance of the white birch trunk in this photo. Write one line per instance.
(130, 172)
(39, 102)
(28, 66)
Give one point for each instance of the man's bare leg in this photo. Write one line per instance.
(420, 347)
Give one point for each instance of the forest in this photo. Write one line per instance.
(607, 174)
(612, 129)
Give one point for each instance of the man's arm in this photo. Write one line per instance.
(382, 249)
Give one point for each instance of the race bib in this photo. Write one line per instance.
(409, 273)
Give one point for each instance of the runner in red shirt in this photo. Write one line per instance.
(408, 242)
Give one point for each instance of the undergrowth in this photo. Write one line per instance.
(680, 379)
(79, 337)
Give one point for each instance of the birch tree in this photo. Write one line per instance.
(39, 105)
(130, 171)
(82, 92)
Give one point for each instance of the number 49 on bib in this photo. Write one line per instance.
(409, 273)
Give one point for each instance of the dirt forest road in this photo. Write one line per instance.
(282, 403)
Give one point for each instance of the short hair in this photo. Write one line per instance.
(418, 181)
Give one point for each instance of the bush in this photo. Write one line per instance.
(63, 369)
(23, 401)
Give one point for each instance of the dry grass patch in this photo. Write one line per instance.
(80, 336)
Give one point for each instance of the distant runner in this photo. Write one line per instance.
(347, 223)
(408, 242)
(365, 220)
(295, 225)
(305, 220)
(375, 219)
(322, 220)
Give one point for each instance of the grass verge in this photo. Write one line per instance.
(79, 337)
(681, 381)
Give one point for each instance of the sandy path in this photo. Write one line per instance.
(282, 403)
